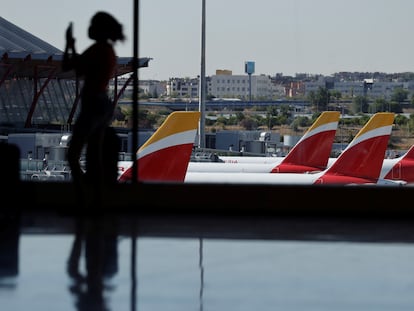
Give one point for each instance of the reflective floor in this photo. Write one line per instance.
(162, 273)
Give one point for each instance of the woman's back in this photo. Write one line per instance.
(97, 66)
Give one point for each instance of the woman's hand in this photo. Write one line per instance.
(70, 41)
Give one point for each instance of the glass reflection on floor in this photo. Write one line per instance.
(50, 272)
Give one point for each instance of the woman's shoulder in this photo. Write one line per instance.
(100, 46)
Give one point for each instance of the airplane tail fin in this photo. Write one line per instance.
(409, 155)
(403, 167)
(312, 151)
(364, 156)
(166, 154)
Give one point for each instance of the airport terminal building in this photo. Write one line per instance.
(34, 91)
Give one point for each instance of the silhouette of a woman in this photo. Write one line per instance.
(96, 65)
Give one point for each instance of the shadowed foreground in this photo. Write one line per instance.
(364, 213)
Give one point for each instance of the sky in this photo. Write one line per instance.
(288, 37)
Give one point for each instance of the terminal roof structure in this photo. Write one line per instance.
(34, 89)
(27, 55)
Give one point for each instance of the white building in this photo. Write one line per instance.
(151, 88)
(238, 86)
(183, 87)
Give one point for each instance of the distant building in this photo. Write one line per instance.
(225, 84)
(367, 87)
(151, 88)
(183, 87)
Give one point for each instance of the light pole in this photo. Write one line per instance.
(202, 99)
(250, 88)
(340, 126)
(191, 95)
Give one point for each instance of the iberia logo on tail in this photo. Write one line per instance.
(166, 154)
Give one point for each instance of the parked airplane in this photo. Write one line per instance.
(166, 154)
(359, 163)
(311, 152)
(401, 168)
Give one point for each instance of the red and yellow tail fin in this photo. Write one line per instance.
(312, 151)
(166, 154)
(402, 168)
(362, 159)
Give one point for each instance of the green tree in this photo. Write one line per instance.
(401, 120)
(395, 107)
(312, 99)
(271, 114)
(301, 122)
(399, 95)
(248, 123)
(410, 124)
(360, 104)
(148, 119)
(319, 100)
(336, 94)
(379, 105)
